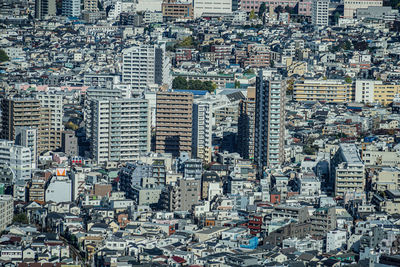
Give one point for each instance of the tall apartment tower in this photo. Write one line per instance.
(51, 115)
(320, 12)
(45, 8)
(71, 8)
(18, 112)
(145, 65)
(174, 122)
(120, 129)
(27, 137)
(246, 124)
(202, 130)
(269, 121)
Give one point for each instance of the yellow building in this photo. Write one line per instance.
(385, 93)
(330, 91)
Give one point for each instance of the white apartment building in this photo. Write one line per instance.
(365, 91)
(211, 7)
(120, 129)
(18, 158)
(310, 186)
(349, 170)
(121, 6)
(6, 211)
(335, 239)
(145, 65)
(202, 129)
(270, 118)
(27, 137)
(320, 12)
(71, 8)
(351, 6)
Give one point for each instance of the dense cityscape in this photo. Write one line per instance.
(206, 133)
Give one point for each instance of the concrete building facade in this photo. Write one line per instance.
(121, 129)
(174, 123)
(269, 121)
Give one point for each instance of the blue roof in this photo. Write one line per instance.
(194, 92)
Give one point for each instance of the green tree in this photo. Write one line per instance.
(20, 218)
(179, 83)
(209, 86)
(348, 79)
(249, 71)
(3, 56)
(71, 125)
(252, 15)
(278, 9)
(237, 84)
(261, 10)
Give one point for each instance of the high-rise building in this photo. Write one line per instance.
(246, 124)
(320, 12)
(348, 170)
(202, 130)
(18, 158)
(71, 8)
(269, 120)
(6, 211)
(120, 129)
(174, 122)
(19, 112)
(145, 65)
(27, 136)
(51, 116)
(45, 8)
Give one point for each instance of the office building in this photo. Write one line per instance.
(349, 170)
(27, 137)
(45, 8)
(18, 158)
(351, 6)
(71, 8)
(145, 65)
(120, 129)
(329, 91)
(69, 143)
(269, 121)
(177, 9)
(246, 124)
(51, 121)
(202, 130)
(320, 12)
(174, 122)
(323, 220)
(6, 211)
(211, 7)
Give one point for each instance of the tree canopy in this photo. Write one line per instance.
(3, 56)
(182, 83)
(262, 9)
